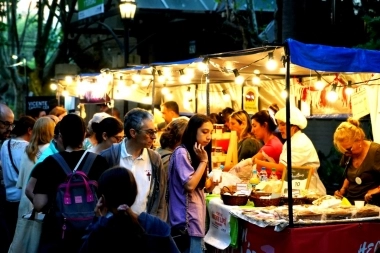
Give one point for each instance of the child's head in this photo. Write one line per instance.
(199, 129)
(118, 186)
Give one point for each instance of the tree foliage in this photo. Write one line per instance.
(37, 37)
(373, 30)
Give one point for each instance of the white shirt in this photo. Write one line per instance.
(141, 168)
(13, 193)
(304, 154)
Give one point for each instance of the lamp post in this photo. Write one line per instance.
(23, 63)
(127, 13)
(26, 77)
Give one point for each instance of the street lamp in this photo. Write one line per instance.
(127, 13)
(23, 63)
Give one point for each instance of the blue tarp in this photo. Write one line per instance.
(333, 59)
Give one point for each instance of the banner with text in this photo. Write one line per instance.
(88, 8)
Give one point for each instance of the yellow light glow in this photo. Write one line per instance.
(202, 66)
(161, 79)
(53, 86)
(137, 78)
(284, 94)
(65, 93)
(319, 85)
(239, 80)
(184, 79)
(349, 91)
(164, 90)
(69, 79)
(226, 97)
(332, 96)
(271, 64)
(256, 80)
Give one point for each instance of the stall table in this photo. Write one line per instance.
(362, 236)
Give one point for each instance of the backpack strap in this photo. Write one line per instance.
(89, 160)
(62, 163)
(11, 158)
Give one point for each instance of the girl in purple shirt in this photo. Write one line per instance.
(187, 183)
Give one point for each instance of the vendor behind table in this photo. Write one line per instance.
(303, 152)
(361, 160)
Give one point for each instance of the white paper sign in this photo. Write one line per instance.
(218, 234)
(241, 187)
(359, 104)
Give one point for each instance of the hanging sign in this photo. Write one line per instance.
(250, 100)
(359, 104)
(88, 8)
(45, 103)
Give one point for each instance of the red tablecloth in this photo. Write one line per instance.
(363, 237)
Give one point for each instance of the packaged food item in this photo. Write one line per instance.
(367, 211)
(338, 213)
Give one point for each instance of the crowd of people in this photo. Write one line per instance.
(148, 198)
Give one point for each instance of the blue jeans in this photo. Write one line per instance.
(196, 245)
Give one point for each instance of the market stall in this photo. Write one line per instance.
(266, 229)
(318, 79)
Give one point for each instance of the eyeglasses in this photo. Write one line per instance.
(118, 138)
(7, 125)
(152, 133)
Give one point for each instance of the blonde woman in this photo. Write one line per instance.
(361, 159)
(247, 145)
(26, 238)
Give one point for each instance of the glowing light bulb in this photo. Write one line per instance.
(319, 85)
(53, 86)
(349, 91)
(184, 79)
(226, 97)
(164, 90)
(271, 63)
(256, 80)
(161, 79)
(284, 94)
(202, 66)
(68, 79)
(137, 78)
(332, 96)
(65, 93)
(239, 80)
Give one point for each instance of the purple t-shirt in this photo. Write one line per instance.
(180, 172)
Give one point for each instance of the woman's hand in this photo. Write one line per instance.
(210, 184)
(368, 196)
(100, 208)
(200, 152)
(339, 193)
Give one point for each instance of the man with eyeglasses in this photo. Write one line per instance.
(6, 126)
(135, 154)
(6, 122)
